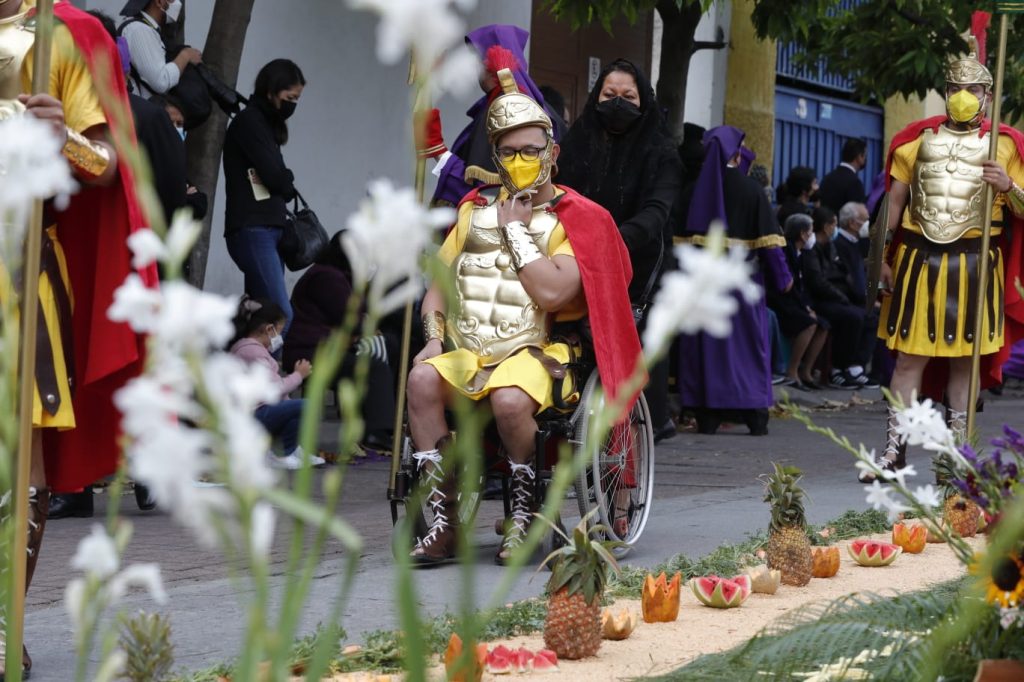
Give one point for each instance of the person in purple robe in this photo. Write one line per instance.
(730, 379)
(468, 163)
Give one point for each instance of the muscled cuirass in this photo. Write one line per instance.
(947, 194)
(495, 315)
(15, 42)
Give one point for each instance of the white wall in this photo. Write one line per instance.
(352, 123)
(705, 85)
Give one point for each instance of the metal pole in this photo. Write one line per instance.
(421, 104)
(26, 372)
(986, 234)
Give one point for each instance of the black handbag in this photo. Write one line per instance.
(303, 238)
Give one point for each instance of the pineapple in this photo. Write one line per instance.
(789, 548)
(959, 513)
(579, 574)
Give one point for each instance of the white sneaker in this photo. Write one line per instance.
(293, 460)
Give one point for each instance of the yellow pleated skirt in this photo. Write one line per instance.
(464, 371)
(923, 328)
(65, 415)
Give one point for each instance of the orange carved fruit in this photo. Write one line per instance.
(824, 561)
(911, 537)
(660, 599)
(460, 669)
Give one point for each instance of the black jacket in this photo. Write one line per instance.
(166, 152)
(826, 277)
(250, 143)
(840, 187)
(853, 261)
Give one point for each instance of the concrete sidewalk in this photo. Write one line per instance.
(706, 493)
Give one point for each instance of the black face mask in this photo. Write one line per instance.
(617, 115)
(286, 109)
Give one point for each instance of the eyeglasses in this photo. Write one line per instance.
(526, 153)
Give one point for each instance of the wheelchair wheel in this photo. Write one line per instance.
(618, 477)
(418, 512)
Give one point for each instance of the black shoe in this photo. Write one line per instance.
(493, 490)
(380, 441)
(707, 424)
(71, 505)
(666, 431)
(143, 498)
(844, 381)
(757, 422)
(863, 381)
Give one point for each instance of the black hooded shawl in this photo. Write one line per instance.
(635, 176)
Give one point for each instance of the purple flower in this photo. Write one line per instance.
(968, 453)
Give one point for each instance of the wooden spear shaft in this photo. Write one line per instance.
(421, 104)
(986, 236)
(26, 372)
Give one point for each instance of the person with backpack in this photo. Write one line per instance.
(152, 72)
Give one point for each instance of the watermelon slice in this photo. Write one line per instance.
(524, 660)
(545, 661)
(501, 661)
(873, 553)
(721, 593)
(745, 584)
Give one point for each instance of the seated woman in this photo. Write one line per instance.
(319, 301)
(797, 318)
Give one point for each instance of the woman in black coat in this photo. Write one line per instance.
(619, 155)
(258, 184)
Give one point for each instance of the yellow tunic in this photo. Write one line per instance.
(918, 340)
(72, 84)
(464, 370)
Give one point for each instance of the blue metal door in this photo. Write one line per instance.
(810, 130)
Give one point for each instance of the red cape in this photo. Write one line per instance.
(605, 271)
(1012, 243)
(93, 231)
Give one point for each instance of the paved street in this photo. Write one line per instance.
(706, 493)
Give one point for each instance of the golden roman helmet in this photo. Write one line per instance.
(512, 109)
(968, 70)
(509, 111)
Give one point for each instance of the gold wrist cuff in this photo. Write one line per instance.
(433, 326)
(1015, 198)
(88, 158)
(521, 247)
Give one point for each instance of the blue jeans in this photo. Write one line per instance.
(282, 422)
(254, 250)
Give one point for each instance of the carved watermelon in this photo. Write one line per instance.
(501, 660)
(721, 593)
(873, 553)
(524, 660)
(544, 661)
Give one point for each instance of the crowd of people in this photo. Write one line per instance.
(564, 230)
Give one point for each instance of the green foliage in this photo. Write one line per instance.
(890, 47)
(146, 640)
(836, 633)
(850, 524)
(581, 13)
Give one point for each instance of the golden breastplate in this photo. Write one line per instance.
(495, 315)
(947, 193)
(15, 42)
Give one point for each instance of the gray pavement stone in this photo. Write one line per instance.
(706, 493)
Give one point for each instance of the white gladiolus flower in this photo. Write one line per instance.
(927, 496)
(31, 163)
(74, 601)
(385, 239)
(147, 248)
(136, 304)
(899, 475)
(112, 667)
(427, 27)
(182, 235)
(921, 424)
(96, 554)
(880, 497)
(138, 575)
(458, 74)
(700, 296)
(262, 530)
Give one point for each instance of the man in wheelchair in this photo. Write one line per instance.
(522, 255)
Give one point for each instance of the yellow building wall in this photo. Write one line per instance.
(750, 86)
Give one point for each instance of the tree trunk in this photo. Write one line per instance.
(677, 39)
(223, 54)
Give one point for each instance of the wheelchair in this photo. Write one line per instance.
(616, 477)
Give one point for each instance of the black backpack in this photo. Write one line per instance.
(191, 94)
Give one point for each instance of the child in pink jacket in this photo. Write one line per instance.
(258, 330)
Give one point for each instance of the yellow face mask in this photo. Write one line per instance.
(522, 173)
(963, 106)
